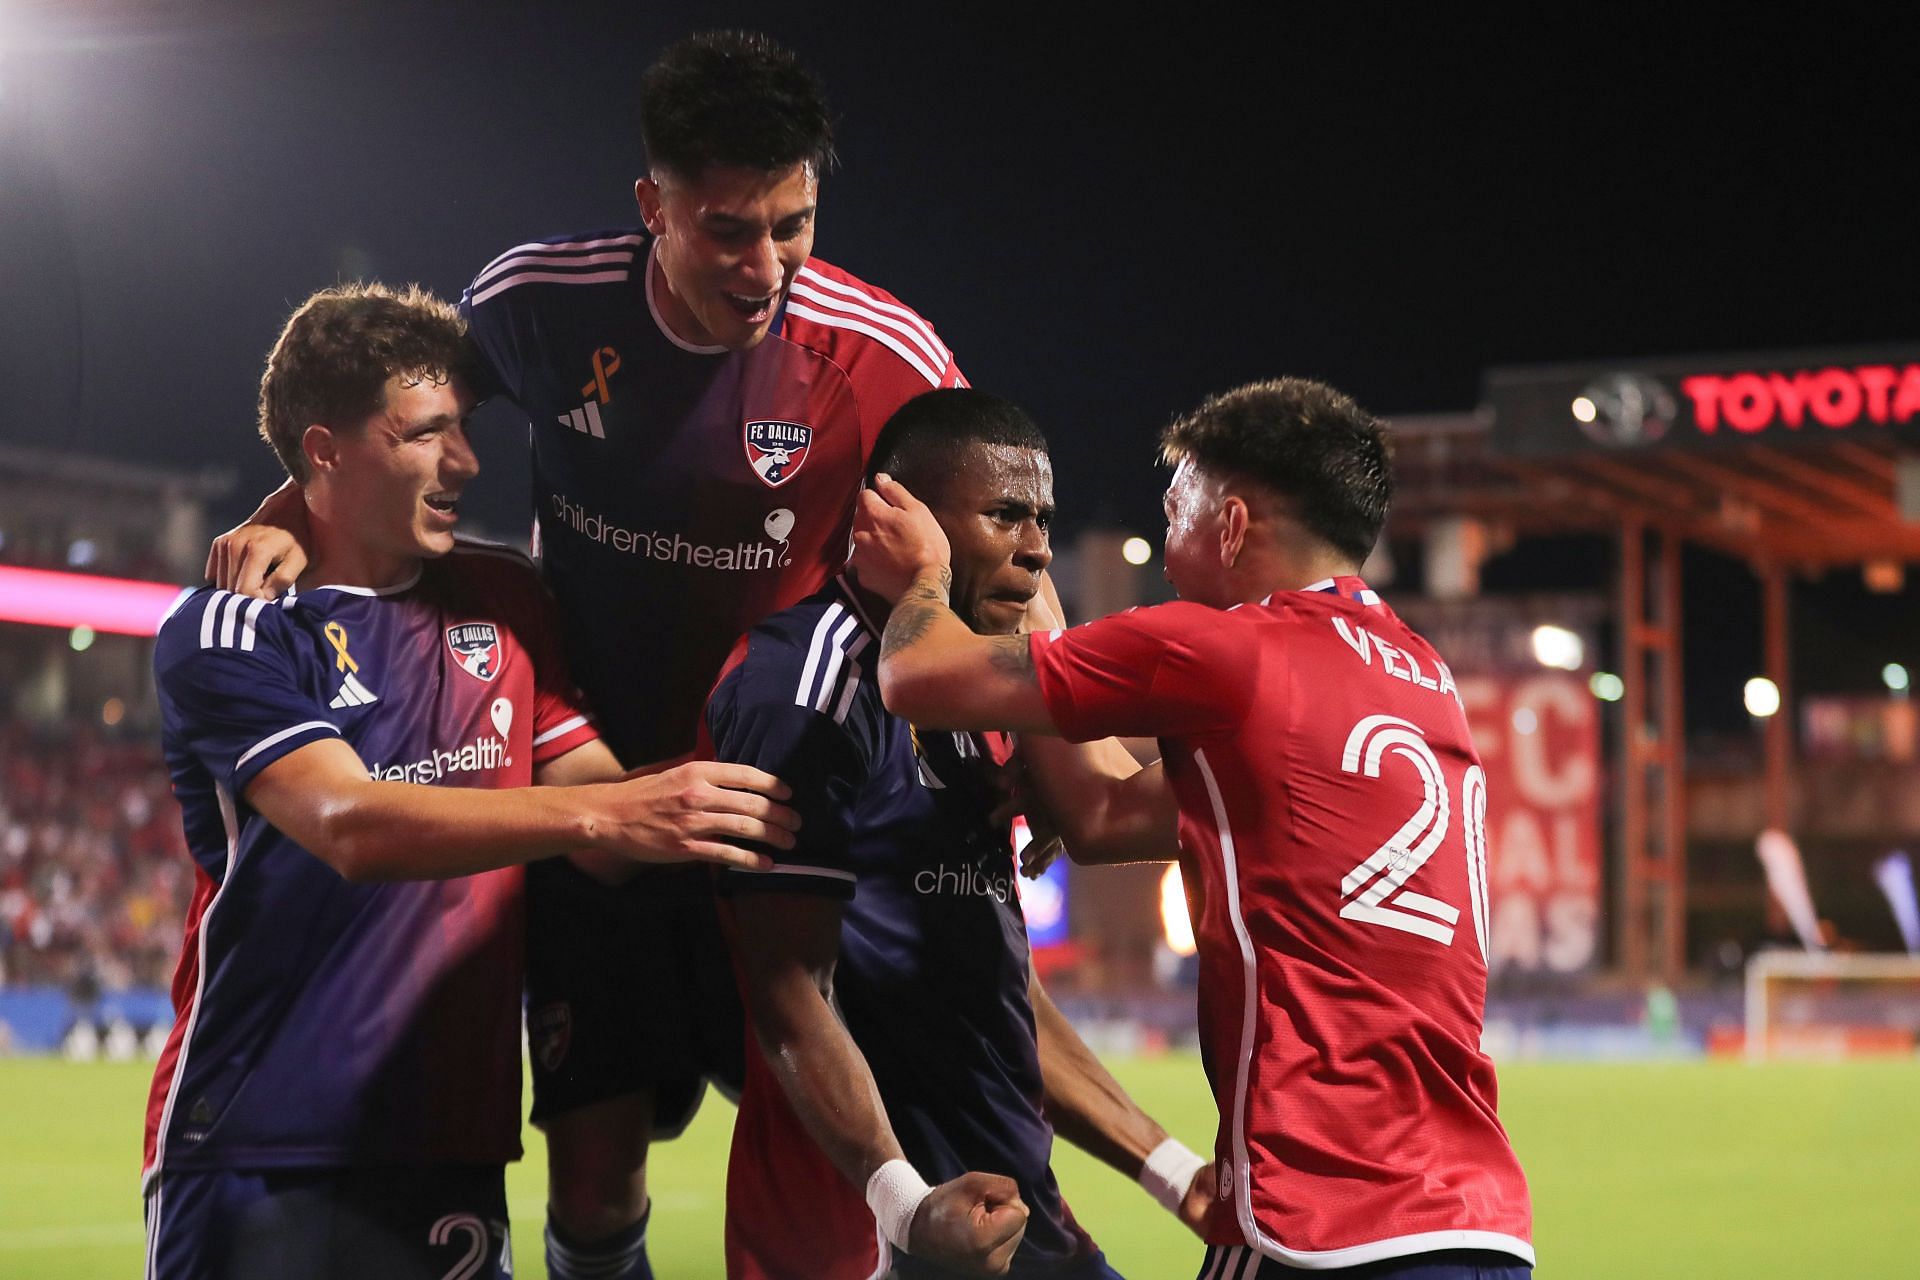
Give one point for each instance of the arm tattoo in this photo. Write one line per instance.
(915, 614)
(1012, 656)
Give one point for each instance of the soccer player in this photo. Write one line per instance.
(885, 958)
(1331, 815)
(703, 395)
(340, 1091)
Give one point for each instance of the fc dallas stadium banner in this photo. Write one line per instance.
(1539, 740)
(1707, 401)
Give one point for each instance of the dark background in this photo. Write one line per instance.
(1106, 219)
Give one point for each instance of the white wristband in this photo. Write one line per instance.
(894, 1193)
(1169, 1173)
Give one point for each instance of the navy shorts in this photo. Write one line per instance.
(1237, 1262)
(329, 1224)
(629, 989)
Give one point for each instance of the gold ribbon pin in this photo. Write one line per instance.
(606, 363)
(337, 637)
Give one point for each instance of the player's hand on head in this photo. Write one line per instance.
(266, 555)
(701, 812)
(1199, 1199)
(972, 1224)
(895, 539)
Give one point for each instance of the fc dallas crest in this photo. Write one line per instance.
(476, 647)
(777, 450)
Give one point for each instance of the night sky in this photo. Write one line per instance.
(1105, 219)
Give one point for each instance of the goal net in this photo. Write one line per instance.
(1827, 1005)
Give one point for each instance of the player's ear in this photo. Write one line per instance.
(320, 447)
(646, 194)
(1234, 518)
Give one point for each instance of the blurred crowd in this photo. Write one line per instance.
(94, 875)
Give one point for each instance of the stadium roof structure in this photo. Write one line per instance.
(1789, 462)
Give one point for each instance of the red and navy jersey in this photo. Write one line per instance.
(1332, 832)
(934, 965)
(682, 493)
(323, 1023)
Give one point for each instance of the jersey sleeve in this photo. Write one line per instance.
(496, 324)
(1173, 670)
(753, 719)
(228, 673)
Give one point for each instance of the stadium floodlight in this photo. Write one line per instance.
(1174, 922)
(1584, 410)
(1607, 686)
(1762, 697)
(1136, 551)
(1895, 677)
(1558, 647)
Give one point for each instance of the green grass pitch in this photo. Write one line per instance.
(1697, 1170)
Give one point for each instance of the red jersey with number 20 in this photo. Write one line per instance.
(1332, 834)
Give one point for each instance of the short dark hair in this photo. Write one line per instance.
(918, 444)
(1303, 441)
(332, 361)
(733, 98)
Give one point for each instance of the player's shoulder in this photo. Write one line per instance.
(841, 316)
(1173, 618)
(565, 267)
(818, 653)
(207, 620)
(485, 561)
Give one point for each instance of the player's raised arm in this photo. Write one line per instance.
(934, 670)
(789, 944)
(1090, 1109)
(367, 830)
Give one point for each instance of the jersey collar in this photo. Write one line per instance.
(1345, 585)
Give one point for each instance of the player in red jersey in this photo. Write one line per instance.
(1330, 811)
(703, 395)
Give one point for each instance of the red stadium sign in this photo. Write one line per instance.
(1539, 740)
(1707, 402)
(1833, 397)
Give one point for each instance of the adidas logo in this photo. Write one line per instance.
(585, 419)
(353, 694)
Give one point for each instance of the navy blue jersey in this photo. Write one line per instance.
(932, 979)
(682, 493)
(322, 1023)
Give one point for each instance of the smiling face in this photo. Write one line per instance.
(728, 243)
(996, 508)
(390, 487)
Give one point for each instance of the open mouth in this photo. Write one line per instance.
(447, 504)
(751, 308)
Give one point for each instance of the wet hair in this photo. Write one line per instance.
(921, 442)
(332, 361)
(733, 98)
(1304, 442)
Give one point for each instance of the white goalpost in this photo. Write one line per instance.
(1829, 1005)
